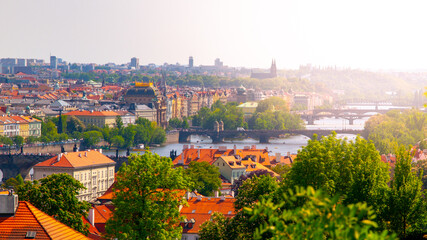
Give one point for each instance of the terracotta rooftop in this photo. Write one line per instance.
(202, 210)
(210, 155)
(29, 218)
(77, 160)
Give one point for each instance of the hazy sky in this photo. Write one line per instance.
(370, 34)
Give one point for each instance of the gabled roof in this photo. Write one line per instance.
(77, 159)
(29, 218)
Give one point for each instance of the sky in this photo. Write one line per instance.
(377, 35)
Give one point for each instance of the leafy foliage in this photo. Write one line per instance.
(407, 207)
(314, 216)
(394, 128)
(56, 196)
(147, 199)
(206, 177)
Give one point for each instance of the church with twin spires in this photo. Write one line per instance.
(271, 74)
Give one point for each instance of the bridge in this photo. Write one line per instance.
(262, 135)
(350, 114)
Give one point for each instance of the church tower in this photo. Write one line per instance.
(273, 69)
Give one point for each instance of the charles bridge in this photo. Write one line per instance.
(262, 135)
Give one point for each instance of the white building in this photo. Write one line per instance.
(93, 169)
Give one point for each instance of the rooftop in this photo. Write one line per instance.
(77, 160)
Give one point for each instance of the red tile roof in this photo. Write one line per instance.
(202, 210)
(77, 159)
(29, 218)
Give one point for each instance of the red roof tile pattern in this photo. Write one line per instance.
(77, 159)
(29, 218)
(202, 210)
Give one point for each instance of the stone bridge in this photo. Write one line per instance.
(349, 114)
(262, 135)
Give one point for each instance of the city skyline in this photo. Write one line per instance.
(378, 35)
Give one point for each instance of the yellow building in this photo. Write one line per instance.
(93, 169)
(97, 118)
(24, 126)
(34, 126)
(232, 167)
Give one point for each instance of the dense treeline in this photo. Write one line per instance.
(142, 132)
(335, 189)
(271, 114)
(407, 128)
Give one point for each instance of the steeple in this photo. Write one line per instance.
(273, 69)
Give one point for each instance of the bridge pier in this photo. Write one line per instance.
(217, 138)
(310, 120)
(263, 139)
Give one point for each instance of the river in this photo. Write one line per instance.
(284, 145)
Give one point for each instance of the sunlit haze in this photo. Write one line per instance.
(378, 35)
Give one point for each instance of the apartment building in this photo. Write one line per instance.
(93, 169)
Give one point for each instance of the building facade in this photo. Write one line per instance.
(93, 169)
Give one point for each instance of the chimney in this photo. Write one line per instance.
(216, 194)
(8, 203)
(199, 197)
(288, 154)
(278, 157)
(235, 149)
(100, 150)
(198, 153)
(59, 157)
(80, 155)
(91, 216)
(232, 193)
(253, 147)
(222, 198)
(191, 146)
(187, 195)
(86, 153)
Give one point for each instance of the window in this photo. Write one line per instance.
(194, 211)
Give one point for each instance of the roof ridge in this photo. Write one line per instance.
(30, 207)
(45, 215)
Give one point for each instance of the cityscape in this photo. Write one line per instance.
(102, 138)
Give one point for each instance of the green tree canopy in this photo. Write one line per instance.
(314, 215)
(206, 177)
(407, 128)
(407, 206)
(353, 170)
(56, 196)
(148, 194)
(91, 138)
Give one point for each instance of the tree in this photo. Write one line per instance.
(406, 204)
(18, 140)
(272, 104)
(255, 189)
(117, 141)
(14, 182)
(313, 215)
(353, 170)
(206, 177)
(91, 138)
(31, 139)
(218, 228)
(148, 194)
(119, 123)
(56, 196)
